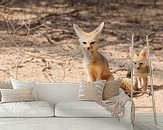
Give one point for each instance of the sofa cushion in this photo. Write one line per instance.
(16, 95)
(18, 84)
(80, 109)
(57, 92)
(91, 91)
(26, 109)
(111, 89)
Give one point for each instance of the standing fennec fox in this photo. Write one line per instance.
(96, 65)
(141, 68)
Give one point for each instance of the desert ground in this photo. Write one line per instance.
(37, 40)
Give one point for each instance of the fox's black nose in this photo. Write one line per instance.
(88, 48)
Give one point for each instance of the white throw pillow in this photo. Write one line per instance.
(16, 95)
(18, 84)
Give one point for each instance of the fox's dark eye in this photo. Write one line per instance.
(141, 63)
(92, 43)
(84, 43)
(135, 63)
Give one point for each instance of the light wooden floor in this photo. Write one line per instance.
(148, 126)
(145, 121)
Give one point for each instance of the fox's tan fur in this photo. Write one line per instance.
(96, 65)
(142, 68)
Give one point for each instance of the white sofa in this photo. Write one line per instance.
(57, 108)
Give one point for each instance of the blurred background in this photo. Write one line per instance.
(37, 40)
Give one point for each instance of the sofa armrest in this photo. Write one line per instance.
(127, 118)
(128, 111)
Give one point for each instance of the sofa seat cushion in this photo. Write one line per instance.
(80, 109)
(26, 109)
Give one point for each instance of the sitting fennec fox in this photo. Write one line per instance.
(141, 68)
(96, 65)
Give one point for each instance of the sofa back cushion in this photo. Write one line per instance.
(57, 92)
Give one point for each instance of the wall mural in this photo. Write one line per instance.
(38, 41)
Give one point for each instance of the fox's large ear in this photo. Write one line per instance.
(98, 30)
(78, 30)
(144, 52)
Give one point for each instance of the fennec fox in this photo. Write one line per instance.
(96, 65)
(141, 68)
